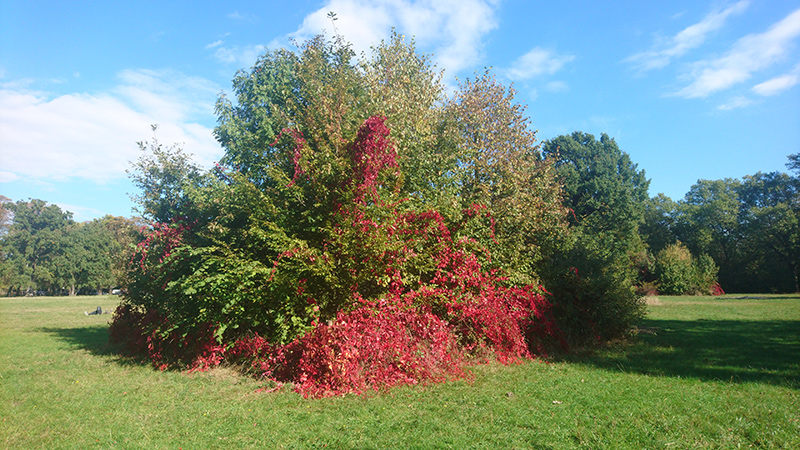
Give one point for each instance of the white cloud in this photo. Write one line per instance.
(736, 103)
(778, 84)
(537, 62)
(557, 86)
(93, 136)
(451, 29)
(247, 17)
(241, 56)
(169, 95)
(693, 36)
(748, 55)
(6, 177)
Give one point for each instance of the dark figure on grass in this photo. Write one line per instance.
(98, 311)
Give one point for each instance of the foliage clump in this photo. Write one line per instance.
(680, 273)
(362, 229)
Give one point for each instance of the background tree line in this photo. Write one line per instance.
(44, 252)
(749, 227)
(724, 235)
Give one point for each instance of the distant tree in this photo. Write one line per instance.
(678, 272)
(707, 222)
(34, 239)
(46, 251)
(763, 190)
(5, 215)
(674, 270)
(85, 261)
(770, 226)
(5, 266)
(602, 186)
(749, 227)
(658, 224)
(794, 164)
(125, 234)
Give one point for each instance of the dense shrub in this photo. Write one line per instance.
(679, 273)
(593, 295)
(386, 296)
(375, 346)
(361, 231)
(675, 270)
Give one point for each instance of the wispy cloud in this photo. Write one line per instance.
(748, 55)
(238, 16)
(168, 95)
(735, 103)
(557, 86)
(6, 177)
(93, 136)
(240, 56)
(665, 50)
(537, 62)
(778, 84)
(452, 29)
(215, 44)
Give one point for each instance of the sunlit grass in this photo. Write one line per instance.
(704, 373)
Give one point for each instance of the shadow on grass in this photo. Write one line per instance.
(724, 350)
(94, 340)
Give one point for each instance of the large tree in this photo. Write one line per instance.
(605, 194)
(36, 236)
(299, 153)
(603, 188)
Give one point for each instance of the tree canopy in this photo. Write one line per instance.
(45, 251)
(605, 194)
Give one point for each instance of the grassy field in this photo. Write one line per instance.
(704, 373)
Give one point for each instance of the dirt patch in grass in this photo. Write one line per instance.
(652, 301)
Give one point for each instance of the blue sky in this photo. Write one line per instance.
(690, 89)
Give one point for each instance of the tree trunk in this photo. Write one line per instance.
(794, 268)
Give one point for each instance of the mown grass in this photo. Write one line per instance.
(703, 373)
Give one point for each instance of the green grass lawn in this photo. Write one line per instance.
(703, 373)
